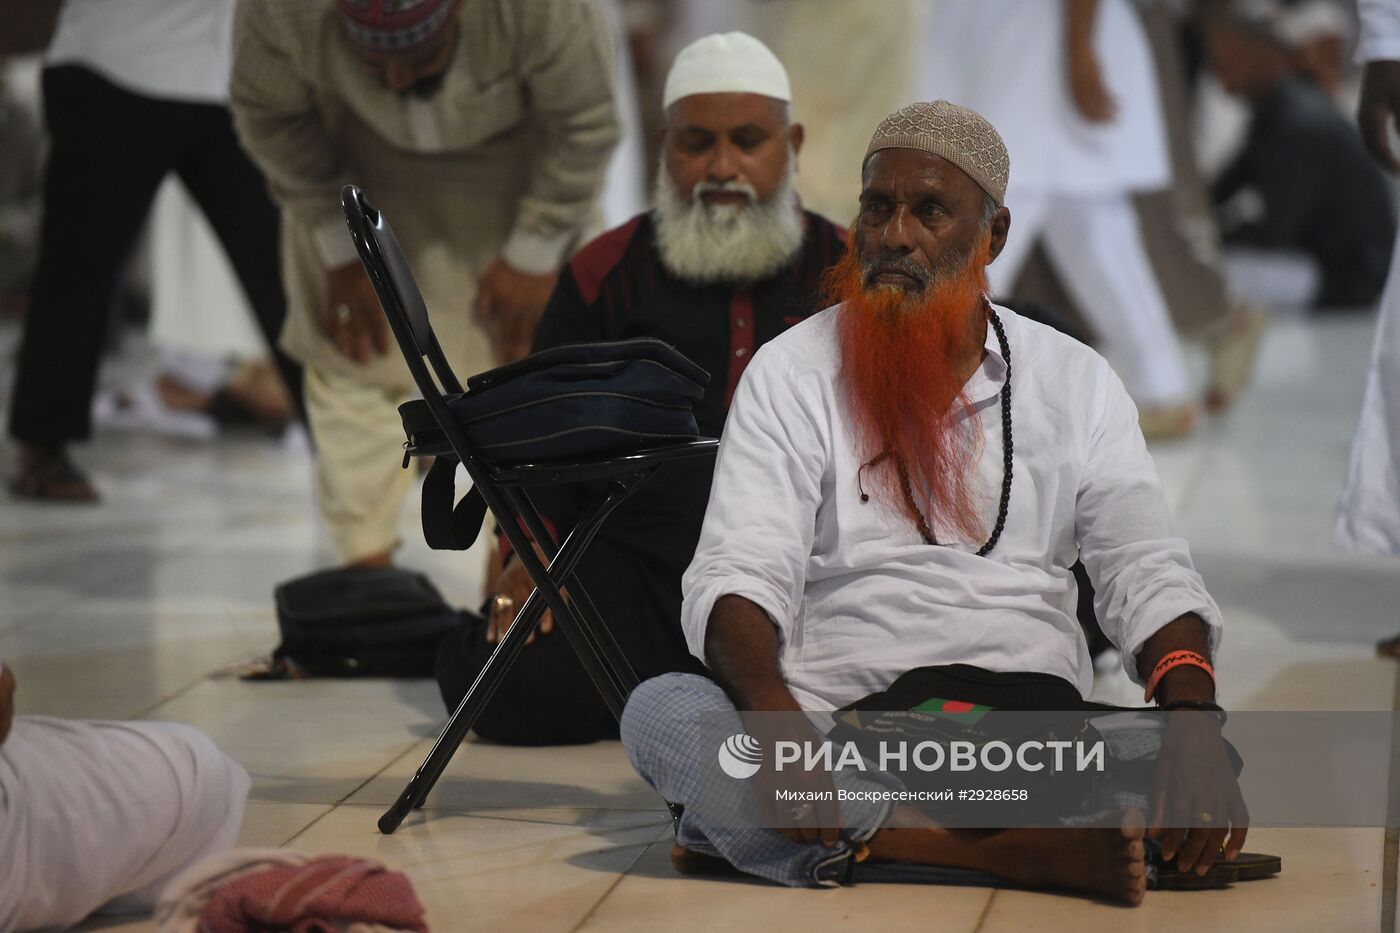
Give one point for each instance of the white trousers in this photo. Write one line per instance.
(1096, 247)
(1368, 518)
(100, 815)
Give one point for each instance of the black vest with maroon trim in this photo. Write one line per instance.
(616, 288)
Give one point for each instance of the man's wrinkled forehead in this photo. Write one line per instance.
(907, 172)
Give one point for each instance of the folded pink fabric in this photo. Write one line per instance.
(321, 895)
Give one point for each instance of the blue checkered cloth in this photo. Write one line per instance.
(663, 735)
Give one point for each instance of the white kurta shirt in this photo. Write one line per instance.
(1369, 516)
(858, 597)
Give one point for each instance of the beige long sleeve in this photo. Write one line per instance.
(566, 66)
(276, 113)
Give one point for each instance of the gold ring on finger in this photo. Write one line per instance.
(342, 315)
(1205, 817)
(502, 603)
(800, 812)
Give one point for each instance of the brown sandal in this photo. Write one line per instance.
(53, 478)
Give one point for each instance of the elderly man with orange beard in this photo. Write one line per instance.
(904, 482)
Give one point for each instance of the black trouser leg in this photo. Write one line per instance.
(231, 191)
(108, 151)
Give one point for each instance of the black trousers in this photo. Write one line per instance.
(109, 151)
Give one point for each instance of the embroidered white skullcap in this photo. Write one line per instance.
(726, 63)
(962, 136)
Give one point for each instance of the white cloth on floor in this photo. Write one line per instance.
(189, 892)
(857, 596)
(100, 815)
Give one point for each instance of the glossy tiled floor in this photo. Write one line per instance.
(139, 607)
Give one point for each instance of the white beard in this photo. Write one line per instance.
(705, 243)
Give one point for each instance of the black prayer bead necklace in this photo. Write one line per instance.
(1006, 443)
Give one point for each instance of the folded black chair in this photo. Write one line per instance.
(625, 447)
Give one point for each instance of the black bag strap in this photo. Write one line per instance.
(449, 527)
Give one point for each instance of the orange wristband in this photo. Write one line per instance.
(1175, 659)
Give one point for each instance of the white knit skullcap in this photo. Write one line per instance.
(726, 63)
(962, 136)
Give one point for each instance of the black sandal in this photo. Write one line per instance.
(1247, 866)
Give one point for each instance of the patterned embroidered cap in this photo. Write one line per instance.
(962, 136)
(393, 25)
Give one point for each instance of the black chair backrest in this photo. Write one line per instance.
(403, 303)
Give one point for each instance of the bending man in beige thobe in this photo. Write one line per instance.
(482, 128)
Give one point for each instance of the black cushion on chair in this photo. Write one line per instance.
(571, 403)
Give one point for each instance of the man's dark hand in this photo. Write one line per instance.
(1195, 784)
(352, 318)
(510, 304)
(7, 702)
(512, 589)
(1087, 88)
(806, 821)
(1380, 107)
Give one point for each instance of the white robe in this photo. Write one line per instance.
(1368, 518)
(1006, 60)
(100, 815)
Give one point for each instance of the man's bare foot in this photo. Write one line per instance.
(175, 394)
(1107, 863)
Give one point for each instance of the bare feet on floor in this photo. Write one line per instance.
(1106, 863)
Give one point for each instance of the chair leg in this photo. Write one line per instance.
(590, 638)
(486, 682)
(465, 716)
(591, 620)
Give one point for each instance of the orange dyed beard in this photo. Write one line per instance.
(904, 359)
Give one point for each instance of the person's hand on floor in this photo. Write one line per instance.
(1379, 108)
(510, 304)
(352, 318)
(1197, 806)
(7, 702)
(513, 587)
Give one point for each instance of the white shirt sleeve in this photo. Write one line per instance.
(1380, 31)
(1142, 574)
(758, 528)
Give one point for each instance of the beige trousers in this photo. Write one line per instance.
(360, 479)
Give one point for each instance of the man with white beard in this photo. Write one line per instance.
(726, 260)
